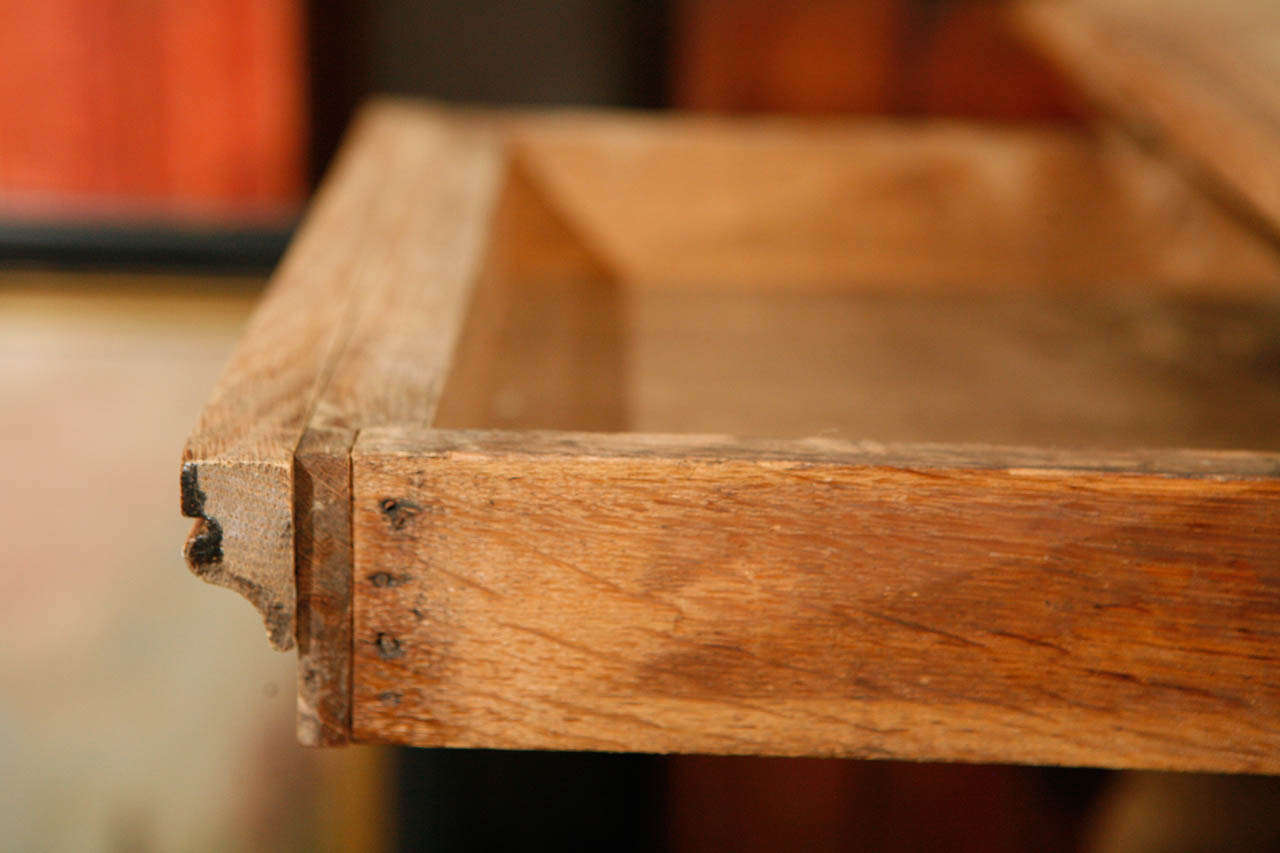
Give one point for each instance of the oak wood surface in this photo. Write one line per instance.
(674, 594)
(929, 205)
(351, 331)
(1203, 79)
(1117, 369)
(415, 285)
(1120, 369)
(416, 280)
(322, 546)
(472, 270)
(238, 461)
(545, 340)
(337, 341)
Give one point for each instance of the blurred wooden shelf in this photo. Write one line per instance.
(676, 434)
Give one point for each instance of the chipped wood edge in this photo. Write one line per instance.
(243, 534)
(237, 465)
(237, 471)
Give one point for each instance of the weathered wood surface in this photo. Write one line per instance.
(418, 269)
(512, 247)
(237, 476)
(1202, 78)
(366, 308)
(546, 335)
(820, 598)
(1121, 369)
(367, 299)
(792, 205)
(322, 544)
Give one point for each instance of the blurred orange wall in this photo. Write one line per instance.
(152, 107)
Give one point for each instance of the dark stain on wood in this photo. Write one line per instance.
(322, 552)
(386, 579)
(1027, 607)
(388, 647)
(204, 547)
(398, 511)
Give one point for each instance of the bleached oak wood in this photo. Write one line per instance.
(630, 592)
(1201, 78)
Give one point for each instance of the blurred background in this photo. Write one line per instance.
(154, 157)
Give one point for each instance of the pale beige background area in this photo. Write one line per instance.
(139, 708)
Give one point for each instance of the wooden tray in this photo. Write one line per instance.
(771, 437)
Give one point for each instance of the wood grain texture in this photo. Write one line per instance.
(788, 204)
(1117, 369)
(719, 595)
(368, 234)
(418, 268)
(545, 335)
(238, 462)
(1201, 78)
(821, 598)
(322, 544)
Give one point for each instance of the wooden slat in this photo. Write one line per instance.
(322, 545)
(420, 268)
(545, 333)
(238, 461)
(790, 205)
(374, 231)
(1117, 370)
(420, 264)
(353, 347)
(820, 598)
(1203, 78)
